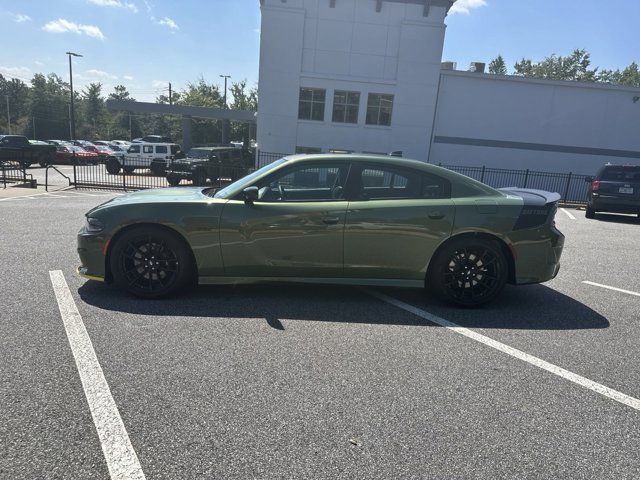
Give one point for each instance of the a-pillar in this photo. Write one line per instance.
(187, 141)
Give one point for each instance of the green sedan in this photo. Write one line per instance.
(328, 219)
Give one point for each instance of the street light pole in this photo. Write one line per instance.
(225, 122)
(8, 115)
(72, 110)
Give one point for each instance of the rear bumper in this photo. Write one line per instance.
(537, 254)
(606, 203)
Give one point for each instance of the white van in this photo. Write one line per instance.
(154, 156)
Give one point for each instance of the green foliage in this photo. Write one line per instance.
(498, 66)
(556, 67)
(45, 105)
(630, 76)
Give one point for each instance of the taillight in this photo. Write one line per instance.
(595, 185)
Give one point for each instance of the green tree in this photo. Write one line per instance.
(48, 108)
(18, 93)
(122, 125)
(92, 112)
(498, 66)
(556, 67)
(630, 76)
(243, 99)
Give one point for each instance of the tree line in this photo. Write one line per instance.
(40, 111)
(573, 67)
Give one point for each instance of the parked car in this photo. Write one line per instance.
(154, 156)
(65, 155)
(615, 189)
(103, 152)
(203, 163)
(58, 143)
(17, 148)
(104, 143)
(153, 139)
(120, 143)
(342, 219)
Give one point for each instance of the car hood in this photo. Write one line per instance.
(159, 195)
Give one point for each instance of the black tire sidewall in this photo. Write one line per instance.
(185, 271)
(441, 260)
(112, 163)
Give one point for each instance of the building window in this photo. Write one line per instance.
(345, 106)
(311, 105)
(379, 109)
(308, 150)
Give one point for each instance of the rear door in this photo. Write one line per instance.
(395, 222)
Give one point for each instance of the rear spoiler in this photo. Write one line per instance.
(531, 197)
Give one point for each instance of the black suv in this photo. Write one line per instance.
(615, 189)
(210, 163)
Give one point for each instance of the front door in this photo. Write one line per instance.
(294, 229)
(395, 222)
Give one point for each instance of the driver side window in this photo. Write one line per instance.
(305, 183)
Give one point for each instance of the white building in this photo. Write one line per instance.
(365, 76)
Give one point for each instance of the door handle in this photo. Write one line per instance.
(330, 220)
(436, 215)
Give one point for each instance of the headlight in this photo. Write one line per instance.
(93, 225)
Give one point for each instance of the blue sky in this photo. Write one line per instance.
(144, 44)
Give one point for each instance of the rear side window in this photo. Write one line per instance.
(621, 174)
(147, 149)
(161, 149)
(385, 183)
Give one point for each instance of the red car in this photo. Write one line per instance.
(102, 151)
(66, 153)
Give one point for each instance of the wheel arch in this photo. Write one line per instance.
(108, 276)
(504, 247)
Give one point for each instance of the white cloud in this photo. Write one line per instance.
(20, 17)
(100, 74)
(128, 77)
(115, 3)
(62, 26)
(38, 63)
(464, 6)
(168, 22)
(24, 72)
(160, 84)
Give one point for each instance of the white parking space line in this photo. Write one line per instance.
(520, 355)
(119, 454)
(628, 292)
(568, 213)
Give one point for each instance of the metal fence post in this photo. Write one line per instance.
(482, 174)
(124, 176)
(526, 178)
(75, 174)
(566, 191)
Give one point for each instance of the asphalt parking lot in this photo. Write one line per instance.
(319, 382)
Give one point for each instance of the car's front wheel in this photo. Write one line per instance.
(151, 262)
(173, 181)
(468, 272)
(590, 213)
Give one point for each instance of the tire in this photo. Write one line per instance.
(43, 163)
(173, 181)
(157, 169)
(590, 213)
(26, 164)
(113, 166)
(129, 170)
(200, 178)
(468, 272)
(151, 262)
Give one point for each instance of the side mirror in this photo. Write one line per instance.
(588, 179)
(250, 195)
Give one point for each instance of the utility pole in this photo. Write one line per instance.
(33, 120)
(72, 114)
(170, 95)
(70, 137)
(225, 122)
(130, 134)
(8, 115)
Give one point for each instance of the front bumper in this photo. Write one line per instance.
(91, 249)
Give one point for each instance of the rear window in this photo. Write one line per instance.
(621, 174)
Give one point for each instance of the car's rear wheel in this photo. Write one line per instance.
(173, 181)
(151, 262)
(468, 272)
(590, 213)
(113, 166)
(129, 169)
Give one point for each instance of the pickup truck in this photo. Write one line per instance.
(18, 149)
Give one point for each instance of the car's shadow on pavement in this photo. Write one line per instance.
(614, 218)
(535, 307)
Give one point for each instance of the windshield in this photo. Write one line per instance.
(198, 153)
(244, 182)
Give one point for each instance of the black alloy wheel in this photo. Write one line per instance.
(469, 273)
(151, 262)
